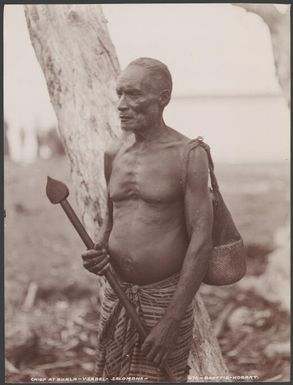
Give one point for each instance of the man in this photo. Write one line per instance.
(156, 234)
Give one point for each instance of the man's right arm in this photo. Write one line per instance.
(107, 225)
(97, 260)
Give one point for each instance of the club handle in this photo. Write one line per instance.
(111, 279)
(77, 224)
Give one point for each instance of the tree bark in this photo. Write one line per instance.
(279, 27)
(80, 65)
(78, 59)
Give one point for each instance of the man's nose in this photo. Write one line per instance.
(122, 105)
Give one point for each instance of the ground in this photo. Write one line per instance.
(50, 300)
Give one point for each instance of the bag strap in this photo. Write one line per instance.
(189, 146)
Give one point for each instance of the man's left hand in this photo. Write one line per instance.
(161, 340)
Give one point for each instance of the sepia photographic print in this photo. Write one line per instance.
(146, 192)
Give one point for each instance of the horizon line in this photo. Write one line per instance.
(229, 95)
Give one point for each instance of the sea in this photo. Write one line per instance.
(239, 129)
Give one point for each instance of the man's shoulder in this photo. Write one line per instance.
(110, 152)
(191, 146)
(178, 136)
(198, 157)
(113, 147)
(195, 154)
(196, 169)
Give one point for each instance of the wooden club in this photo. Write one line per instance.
(57, 192)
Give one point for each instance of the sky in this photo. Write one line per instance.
(210, 49)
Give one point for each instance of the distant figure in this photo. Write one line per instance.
(157, 235)
(27, 105)
(49, 143)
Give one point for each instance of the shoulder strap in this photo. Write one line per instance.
(189, 146)
(193, 143)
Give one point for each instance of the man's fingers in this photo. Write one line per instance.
(165, 358)
(90, 263)
(95, 260)
(99, 247)
(161, 358)
(152, 353)
(100, 267)
(103, 271)
(158, 357)
(145, 346)
(96, 263)
(90, 254)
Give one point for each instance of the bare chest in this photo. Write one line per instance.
(151, 175)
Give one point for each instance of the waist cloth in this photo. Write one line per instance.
(119, 345)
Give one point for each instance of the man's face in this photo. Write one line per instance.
(139, 102)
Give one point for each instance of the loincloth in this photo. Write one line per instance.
(118, 351)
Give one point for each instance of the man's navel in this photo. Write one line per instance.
(128, 264)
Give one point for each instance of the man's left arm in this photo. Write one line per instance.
(199, 219)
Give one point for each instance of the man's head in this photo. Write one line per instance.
(144, 89)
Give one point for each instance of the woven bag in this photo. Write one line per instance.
(228, 262)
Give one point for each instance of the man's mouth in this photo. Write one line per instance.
(124, 118)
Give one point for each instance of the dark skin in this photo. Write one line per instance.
(152, 228)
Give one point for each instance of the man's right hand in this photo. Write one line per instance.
(96, 260)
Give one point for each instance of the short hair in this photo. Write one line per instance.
(159, 71)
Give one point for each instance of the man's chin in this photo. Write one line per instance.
(128, 127)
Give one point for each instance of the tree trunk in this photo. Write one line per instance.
(80, 66)
(79, 62)
(279, 27)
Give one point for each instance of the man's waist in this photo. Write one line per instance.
(166, 282)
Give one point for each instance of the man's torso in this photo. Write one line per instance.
(148, 240)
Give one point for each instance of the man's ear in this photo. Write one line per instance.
(165, 97)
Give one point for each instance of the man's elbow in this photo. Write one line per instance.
(207, 247)
(203, 242)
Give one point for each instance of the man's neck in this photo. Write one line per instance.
(152, 133)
